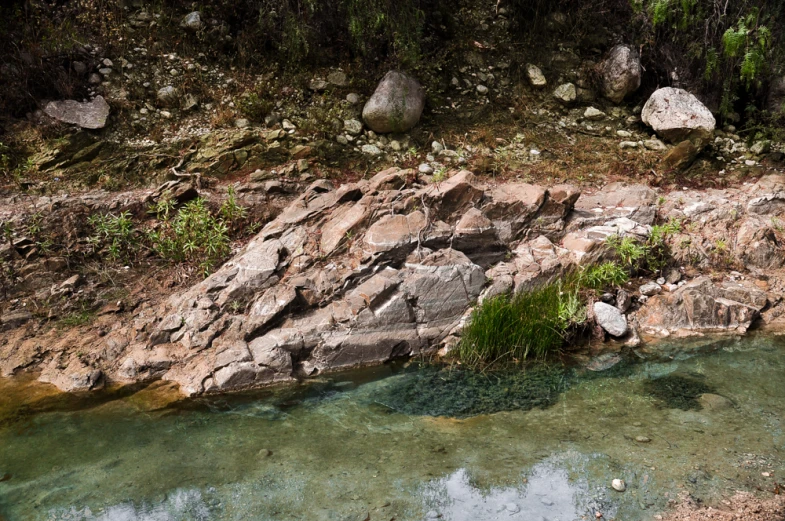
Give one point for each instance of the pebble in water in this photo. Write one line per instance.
(618, 485)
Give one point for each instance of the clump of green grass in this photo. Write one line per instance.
(533, 324)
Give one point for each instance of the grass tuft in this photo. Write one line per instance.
(533, 324)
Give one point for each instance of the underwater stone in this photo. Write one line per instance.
(618, 485)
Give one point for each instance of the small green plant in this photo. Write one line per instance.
(194, 235)
(231, 211)
(603, 276)
(440, 175)
(748, 42)
(628, 249)
(116, 233)
(651, 255)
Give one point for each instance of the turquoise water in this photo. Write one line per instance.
(342, 449)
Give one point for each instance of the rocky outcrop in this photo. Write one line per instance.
(702, 305)
(396, 105)
(90, 115)
(677, 115)
(390, 266)
(621, 73)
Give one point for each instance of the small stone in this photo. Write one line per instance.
(650, 289)
(512, 508)
(317, 85)
(610, 319)
(628, 144)
(342, 140)
(242, 123)
(371, 150)
(566, 93)
(661, 281)
(337, 78)
(192, 21)
(107, 62)
(167, 94)
(624, 133)
(536, 77)
(105, 71)
(761, 147)
(287, 125)
(593, 114)
(618, 485)
(623, 300)
(749, 162)
(642, 439)
(425, 168)
(352, 126)
(482, 89)
(655, 145)
(436, 147)
(353, 98)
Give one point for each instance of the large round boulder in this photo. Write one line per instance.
(396, 105)
(621, 73)
(677, 115)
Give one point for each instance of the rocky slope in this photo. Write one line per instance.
(364, 272)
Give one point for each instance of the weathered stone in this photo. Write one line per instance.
(681, 156)
(677, 115)
(623, 300)
(396, 234)
(701, 305)
(456, 194)
(593, 114)
(621, 73)
(15, 318)
(352, 126)
(650, 289)
(757, 245)
(714, 402)
(192, 21)
(90, 115)
(610, 319)
(342, 223)
(396, 105)
(536, 77)
(337, 78)
(768, 204)
(566, 93)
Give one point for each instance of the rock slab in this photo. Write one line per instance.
(90, 115)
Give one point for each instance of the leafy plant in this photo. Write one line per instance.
(116, 233)
(194, 234)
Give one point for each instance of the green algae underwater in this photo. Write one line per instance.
(416, 442)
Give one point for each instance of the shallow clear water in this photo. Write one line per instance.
(336, 450)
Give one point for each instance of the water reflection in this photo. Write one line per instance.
(547, 494)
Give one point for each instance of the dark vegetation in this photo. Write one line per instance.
(726, 50)
(677, 392)
(461, 393)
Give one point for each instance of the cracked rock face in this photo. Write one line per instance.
(389, 267)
